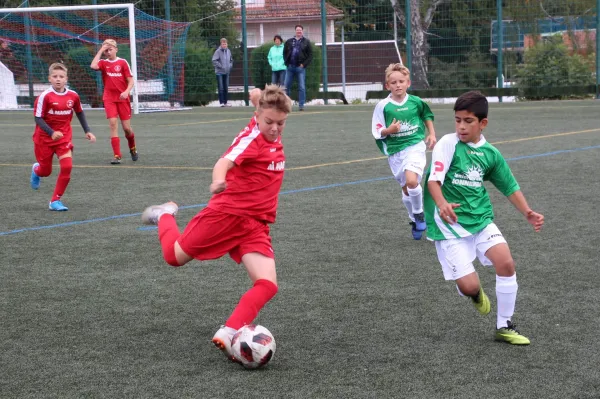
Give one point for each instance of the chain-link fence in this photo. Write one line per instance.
(531, 49)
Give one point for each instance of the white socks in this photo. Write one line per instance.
(416, 198)
(506, 295)
(408, 204)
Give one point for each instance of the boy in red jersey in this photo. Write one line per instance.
(118, 82)
(53, 111)
(245, 185)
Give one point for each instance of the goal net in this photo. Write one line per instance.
(34, 38)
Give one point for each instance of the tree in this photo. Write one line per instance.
(421, 16)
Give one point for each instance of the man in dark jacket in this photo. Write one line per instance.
(297, 55)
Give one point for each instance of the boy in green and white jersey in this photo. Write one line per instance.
(399, 123)
(460, 218)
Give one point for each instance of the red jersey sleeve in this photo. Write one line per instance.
(127, 70)
(39, 108)
(244, 145)
(77, 104)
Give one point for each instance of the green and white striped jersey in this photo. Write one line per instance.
(462, 168)
(412, 113)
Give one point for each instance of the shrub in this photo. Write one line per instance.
(199, 74)
(475, 71)
(549, 65)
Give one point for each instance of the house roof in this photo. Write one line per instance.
(289, 10)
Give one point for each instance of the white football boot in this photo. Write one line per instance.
(154, 212)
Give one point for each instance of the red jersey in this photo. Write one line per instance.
(254, 182)
(56, 109)
(114, 76)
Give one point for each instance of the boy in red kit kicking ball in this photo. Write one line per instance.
(245, 185)
(53, 111)
(118, 82)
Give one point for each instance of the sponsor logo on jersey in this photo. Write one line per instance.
(276, 166)
(401, 109)
(273, 150)
(113, 74)
(66, 112)
(473, 177)
(406, 129)
(470, 152)
(494, 236)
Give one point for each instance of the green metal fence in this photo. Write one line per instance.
(528, 49)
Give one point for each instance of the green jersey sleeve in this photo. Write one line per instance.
(501, 176)
(426, 114)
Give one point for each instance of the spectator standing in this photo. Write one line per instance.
(276, 61)
(297, 54)
(223, 62)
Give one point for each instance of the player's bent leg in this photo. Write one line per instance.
(62, 181)
(502, 259)
(260, 267)
(470, 286)
(130, 136)
(415, 195)
(261, 270)
(34, 179)
(181, 257)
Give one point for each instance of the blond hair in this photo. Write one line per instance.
(274, 97)
(57, 65)
(396, 68)
(110, 42)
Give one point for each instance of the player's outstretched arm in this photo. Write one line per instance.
(219, 174)
(535, 219)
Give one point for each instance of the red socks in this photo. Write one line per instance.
(168, 233)
(251, 303)
(130, 140)
(64, 176)
(116, 146)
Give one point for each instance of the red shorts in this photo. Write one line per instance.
(44, 153)
(122, 109)
(212, 234)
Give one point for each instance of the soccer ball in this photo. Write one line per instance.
(253, 345)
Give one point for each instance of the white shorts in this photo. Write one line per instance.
(457, 255)
(412, 158)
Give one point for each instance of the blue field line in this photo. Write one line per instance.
(287, 192)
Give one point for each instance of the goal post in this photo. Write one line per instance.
(38, 36)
